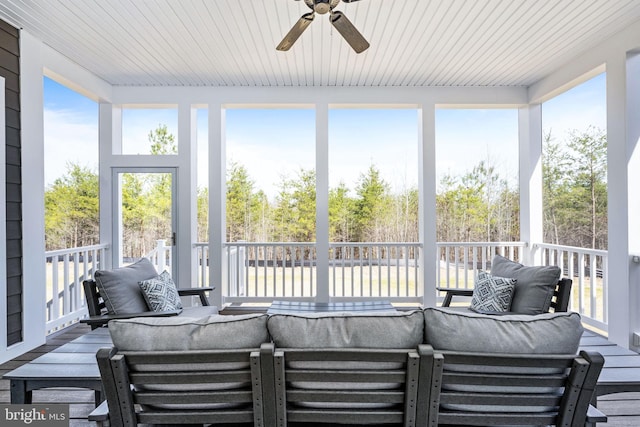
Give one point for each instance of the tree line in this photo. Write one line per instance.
(370, 212)
(477, 206)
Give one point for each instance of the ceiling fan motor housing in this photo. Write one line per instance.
(322, 6)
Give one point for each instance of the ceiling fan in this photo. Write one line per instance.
(338, 20)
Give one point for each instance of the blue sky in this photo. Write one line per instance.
(279, 142)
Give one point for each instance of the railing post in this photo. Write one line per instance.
(55, 313)
(66, 293)
(241, 276)
(160, 255)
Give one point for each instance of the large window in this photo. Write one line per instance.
(373, 202)
(477, 171)
(271, 186)
(271, 202)
(70, 167)
(575, 166)
(373, 175)
(202, 144)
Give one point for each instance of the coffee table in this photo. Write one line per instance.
(290, 307)
(70, 365)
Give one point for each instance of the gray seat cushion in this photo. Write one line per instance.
(120, 288)
(534, 287)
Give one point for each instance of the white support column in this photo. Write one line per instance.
(217, 202)
(530, 147)
(109, 141)
(322, 202)
(633, 143)
(622, 156)
(186, 216)
(429, 262)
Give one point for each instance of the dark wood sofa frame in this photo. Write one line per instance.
(425, 385)
(335, 386)
(484, 389)
(99, 316)
(208, 387)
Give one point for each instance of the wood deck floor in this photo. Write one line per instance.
(623, 409)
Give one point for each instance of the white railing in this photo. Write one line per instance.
(588, 268)
(66, 269)
(267, 271)
(160, 256)
(389, 270)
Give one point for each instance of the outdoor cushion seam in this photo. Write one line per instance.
(142, 323)
(501, 318)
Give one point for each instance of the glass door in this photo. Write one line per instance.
(145, 216)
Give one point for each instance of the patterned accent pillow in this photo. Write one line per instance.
(492, 293)
(161, 293)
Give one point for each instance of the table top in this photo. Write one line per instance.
(290, 307)
(621, 371)
(74, 360)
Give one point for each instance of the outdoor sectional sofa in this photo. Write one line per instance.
(416, 368)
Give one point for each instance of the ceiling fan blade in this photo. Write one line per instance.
(295, 32)
(349, 32)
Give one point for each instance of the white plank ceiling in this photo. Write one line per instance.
(232, 42)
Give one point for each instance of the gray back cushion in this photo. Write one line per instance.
(337, 330)
(534, 287)
(186, 333)
(120, 289)
(546, 333)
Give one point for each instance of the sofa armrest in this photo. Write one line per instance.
(451, 292)
(100, 415)
(97, 321)
(200, 292)
(594, 416)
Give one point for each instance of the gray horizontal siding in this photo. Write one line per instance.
(10, 70)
